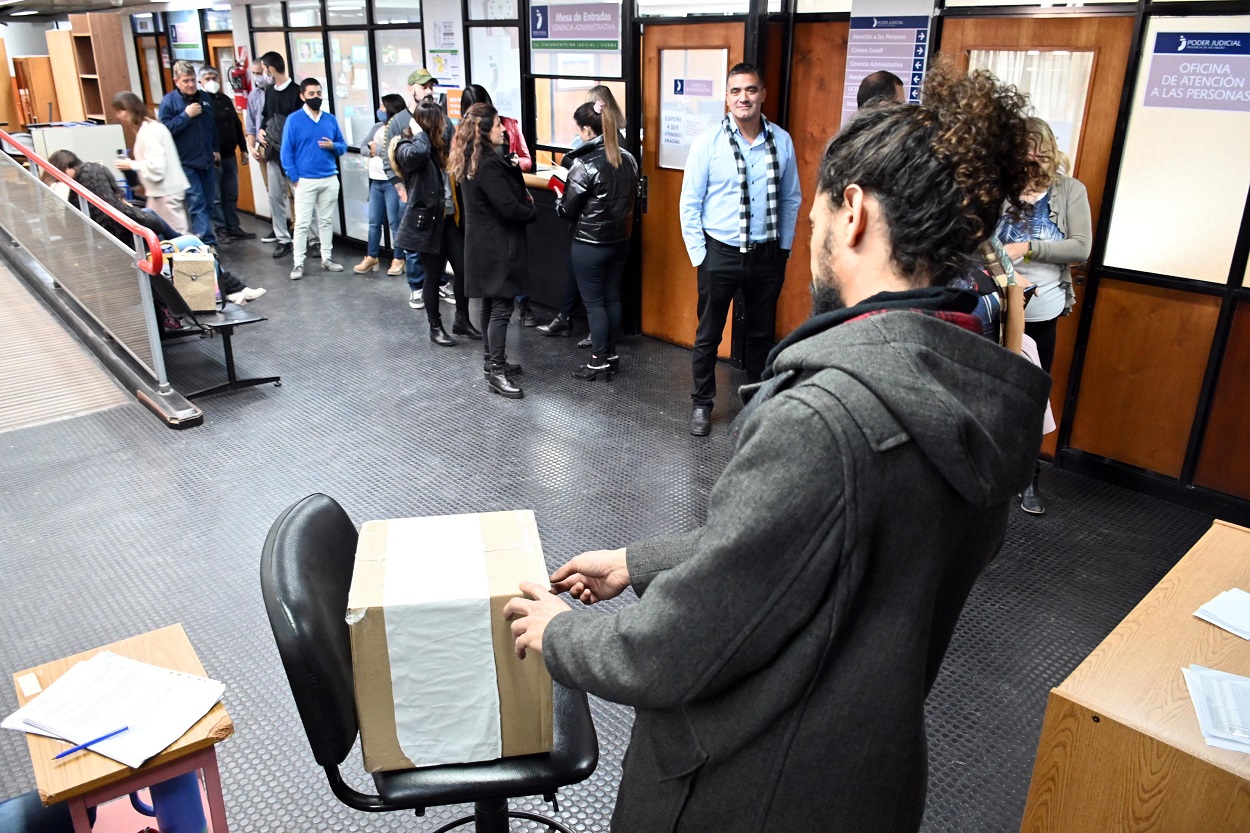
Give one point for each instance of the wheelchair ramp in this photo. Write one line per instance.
(45, 373)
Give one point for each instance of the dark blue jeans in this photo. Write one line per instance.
(598, 270)
(199, 203)
(383, 205)
(414, 270)
(225, 207)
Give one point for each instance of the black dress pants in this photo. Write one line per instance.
(496, 313)
(599, 269)
(759, 273)
(452, 248)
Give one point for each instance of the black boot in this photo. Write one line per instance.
(499, 383)
(559, 326)
(439, 336)
(596, 368)
(527, 315)
(1031, 500)
(462, 326)
(508, 367)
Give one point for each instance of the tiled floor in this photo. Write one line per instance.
(113, 525)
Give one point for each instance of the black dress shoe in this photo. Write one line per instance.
(439, 336)
(559, 326)
(509, 368)
(240, 234)
(700, 421)
(584, 342)
(527, 316)
(462, 326)
(597, 368)
(283, 250)
(502, 385)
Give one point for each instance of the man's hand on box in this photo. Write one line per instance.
(593, 576)
(530, 616)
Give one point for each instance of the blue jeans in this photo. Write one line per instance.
(225, 207)
(383, 205)
(199, 203)
(414, 270)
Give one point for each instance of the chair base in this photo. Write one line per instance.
(492, 817)
(234, 383)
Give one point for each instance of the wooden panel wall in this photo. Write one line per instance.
(1144, 364)
(819, 68)
(1224, 463)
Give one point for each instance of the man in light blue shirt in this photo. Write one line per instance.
(739, 203)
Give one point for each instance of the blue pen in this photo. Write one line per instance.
(80, 747)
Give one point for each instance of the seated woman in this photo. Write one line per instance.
(99, 180)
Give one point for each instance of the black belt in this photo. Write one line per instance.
(764, 247)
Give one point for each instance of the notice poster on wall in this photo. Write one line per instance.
(185, 36)
(444, 52)
(692, 99)
(591, 27)
(1200, 71)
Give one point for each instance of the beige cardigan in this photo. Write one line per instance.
(156, 161)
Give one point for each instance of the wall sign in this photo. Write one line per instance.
(589, 27)
(898, 44)
(444, 53)
(185, 36)
(692, 100)
(1200, 71)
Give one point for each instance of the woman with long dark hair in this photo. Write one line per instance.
(599, 200)
(430, 224)
(496, 208)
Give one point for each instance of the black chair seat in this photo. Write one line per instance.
(573, 759)
(230, 315)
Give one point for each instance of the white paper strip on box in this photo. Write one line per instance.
(438, 636)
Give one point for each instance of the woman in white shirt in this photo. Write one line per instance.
(156, 161)
(384, 204)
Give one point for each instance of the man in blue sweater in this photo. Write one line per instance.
(311, 146)
(188, 113)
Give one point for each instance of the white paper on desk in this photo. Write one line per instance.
(559, 173)
(1222, 702)
(1229, 610)
(107, 692)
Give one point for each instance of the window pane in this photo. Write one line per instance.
(267, 14)
(1057, 83)
(356, 195)
(304, 12)
(399, 52)
(556, 99)
(681, 8)
(309, 60)
(496, 53)
(345, 13)
(217, 21)
(809, 6)
(583, 40)
(354, 103)
(397, 11)
(272, 42)
(493, 10)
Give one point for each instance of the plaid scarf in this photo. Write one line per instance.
(774, 174)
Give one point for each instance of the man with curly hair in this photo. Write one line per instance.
(778, 658)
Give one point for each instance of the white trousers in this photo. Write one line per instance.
(322, 196)
(172, 209)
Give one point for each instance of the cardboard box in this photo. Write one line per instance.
(437, 680)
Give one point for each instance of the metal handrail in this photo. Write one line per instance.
(154, 263)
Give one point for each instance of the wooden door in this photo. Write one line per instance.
(150, 74)
(1109, 38)
(669, 282)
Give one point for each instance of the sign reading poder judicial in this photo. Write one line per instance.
(1200, 71)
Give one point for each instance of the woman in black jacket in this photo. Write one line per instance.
(599, 199)
(496, 208)
(429, 225)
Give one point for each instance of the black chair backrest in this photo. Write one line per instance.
(305, 573)
(168, 294)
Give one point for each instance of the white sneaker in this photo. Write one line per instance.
(250, 294)
(237, 298)
(331, 266)
(447, 293)
(297, 273)
(415, 300)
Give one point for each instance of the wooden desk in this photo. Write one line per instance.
(88, 779)
(1121, 750)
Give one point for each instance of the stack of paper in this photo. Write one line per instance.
(1223, 704)
(109, 692)
(1230, 610)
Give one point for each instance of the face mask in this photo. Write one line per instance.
(381, 114)
(212, 87)
(314, 104)
(261, 80)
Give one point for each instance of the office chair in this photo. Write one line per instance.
(305, 573)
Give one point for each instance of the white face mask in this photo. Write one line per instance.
(212, 87)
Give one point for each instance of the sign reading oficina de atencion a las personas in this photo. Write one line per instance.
(1200, 71)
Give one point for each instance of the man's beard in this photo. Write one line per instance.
(826, 293)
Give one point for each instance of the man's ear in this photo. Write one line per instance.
(855, 217)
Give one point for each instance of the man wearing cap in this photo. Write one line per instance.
(420, 87)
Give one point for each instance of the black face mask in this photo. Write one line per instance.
(314, 104)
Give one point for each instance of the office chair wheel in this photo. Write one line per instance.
(278, 384)
(553, 826)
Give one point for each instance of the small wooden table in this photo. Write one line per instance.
(1121, 750)
(88, 779)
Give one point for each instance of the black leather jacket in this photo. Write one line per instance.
(598, 198)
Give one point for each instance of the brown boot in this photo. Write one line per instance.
(397, 268)
(369, 264)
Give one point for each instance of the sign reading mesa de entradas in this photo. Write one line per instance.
(594, 27)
